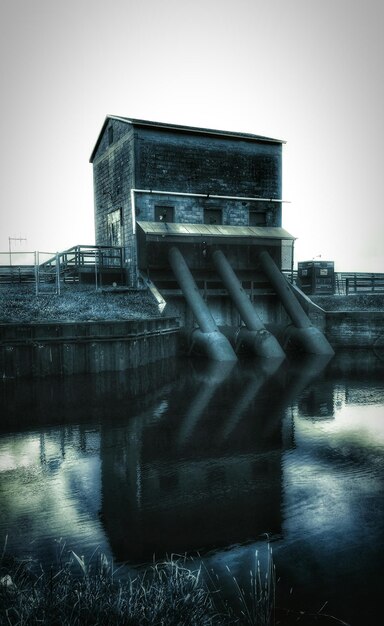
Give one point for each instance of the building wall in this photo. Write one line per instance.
(207, 164)
(186, 163)
(138, 157)
(190, 210)
(113, 174)
(224, 312)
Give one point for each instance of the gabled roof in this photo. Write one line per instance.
(194, 130)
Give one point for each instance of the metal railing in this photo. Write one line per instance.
(347, 283)
(363, 283)
(48, 269)
(20, 267)
(80, 257)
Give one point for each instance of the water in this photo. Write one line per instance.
(192, 457)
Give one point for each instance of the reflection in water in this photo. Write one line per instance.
(178, 484)
(193, 456)
(50, 488)
(211, 376)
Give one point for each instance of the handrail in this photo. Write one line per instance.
(65, 264)
(351, 282)
(367, 283)
(28, 258)
(81, 256)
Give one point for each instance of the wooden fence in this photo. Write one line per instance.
(363, 283)
(347, 283)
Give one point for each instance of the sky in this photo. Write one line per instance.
(309, 72)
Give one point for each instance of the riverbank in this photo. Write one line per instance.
(77, 593)
(83, 330)
(352, 302)
(173, 593)
(19, 304)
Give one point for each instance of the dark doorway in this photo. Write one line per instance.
(114, 225)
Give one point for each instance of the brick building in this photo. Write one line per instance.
(197, 213)
(147, 172)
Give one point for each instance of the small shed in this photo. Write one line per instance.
(316, 277)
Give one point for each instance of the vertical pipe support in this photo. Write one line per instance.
(57, 273)
(37, 277)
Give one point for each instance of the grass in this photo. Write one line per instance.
(78, 593)
(257, 602)
(170, 593)
(18, 303)
(352, 302)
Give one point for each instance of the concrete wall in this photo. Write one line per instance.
(345, 329)
(73, 348)
(38, 350)
(355, 329)
(225, 313)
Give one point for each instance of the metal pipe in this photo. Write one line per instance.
(255, 336)
(237, 293)
(283, 289)
(214, 345)
(190, 291)
(208, 337)
(303, 334)
(260, 342)
(207, 195)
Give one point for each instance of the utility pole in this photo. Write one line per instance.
(10, 239)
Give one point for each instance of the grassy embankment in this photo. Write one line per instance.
(352, 302)
(18, 303)
(170, 593)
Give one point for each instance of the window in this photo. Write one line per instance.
(110, 135)
(257, 218)
(164, 213)
(213, 216)
(114, 223)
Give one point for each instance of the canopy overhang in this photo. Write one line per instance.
(171, 232)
